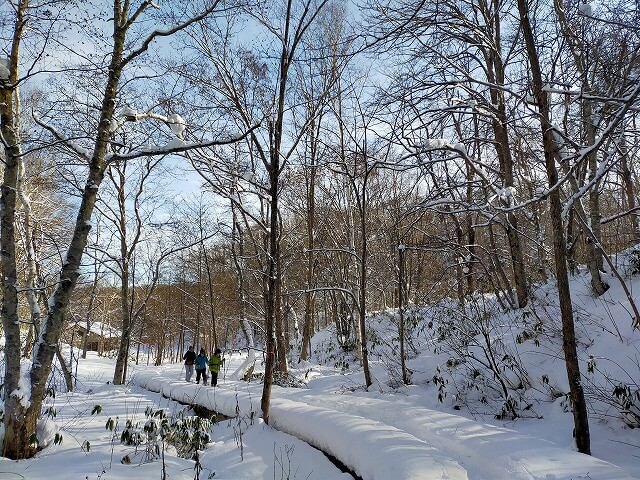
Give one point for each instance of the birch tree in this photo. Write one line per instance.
(22, 406)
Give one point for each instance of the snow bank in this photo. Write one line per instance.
(488, 451)
(227, 402)
(373, 450)
(380, 439)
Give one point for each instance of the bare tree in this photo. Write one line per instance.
(252, 90)
(581, 421)
(324, 57)
(466, 42)
(23, 408)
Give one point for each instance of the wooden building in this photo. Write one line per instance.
(100, 337)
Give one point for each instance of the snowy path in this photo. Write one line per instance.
(373, 450)
(486, 451)
(381, 439)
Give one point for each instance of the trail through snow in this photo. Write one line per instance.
(382, 439)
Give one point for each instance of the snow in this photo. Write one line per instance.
(541, 192)
(129, 113)
(381, 437)
(436, 143)
(585, 9)
(251, 356)
(5, 63)
(23, 392)
(386, 433)
(506, 195)
(89, 450)
(460, 148)
(46, 431)
(174, 143)
(176, 123)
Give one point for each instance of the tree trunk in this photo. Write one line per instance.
(471, 231)
(272, 289)
(127, 320)
(214, 326)
(594, 257)
(401, 294)
(32, 270)
(502, 282)
(496, 76)
(307, 329)
(88, 322)
(629, 188)
(362, 287)
(281, 342)
(459, 261)
(237, 253)
(19, 424)
(18, 428)
(66, 373)
(580, 416)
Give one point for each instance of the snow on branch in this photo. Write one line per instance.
(175, 122)
(508, 201)
(178, 145)
(583, 153)
(458, 148)
(67, 142)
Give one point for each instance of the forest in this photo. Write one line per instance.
(242, 174)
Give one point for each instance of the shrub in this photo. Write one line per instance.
(187, 434)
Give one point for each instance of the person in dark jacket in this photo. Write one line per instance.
(215, 362)
(201, 367)
(189, 359)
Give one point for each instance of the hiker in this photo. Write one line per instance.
(189, 359)
(201, 367)
(215, 362)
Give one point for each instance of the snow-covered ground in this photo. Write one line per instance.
(385, 436)
(89, 450)
(377, 435)
(390, 432)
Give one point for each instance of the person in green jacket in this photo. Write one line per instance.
(215, 362)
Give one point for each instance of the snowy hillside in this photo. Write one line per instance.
(488, 402)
